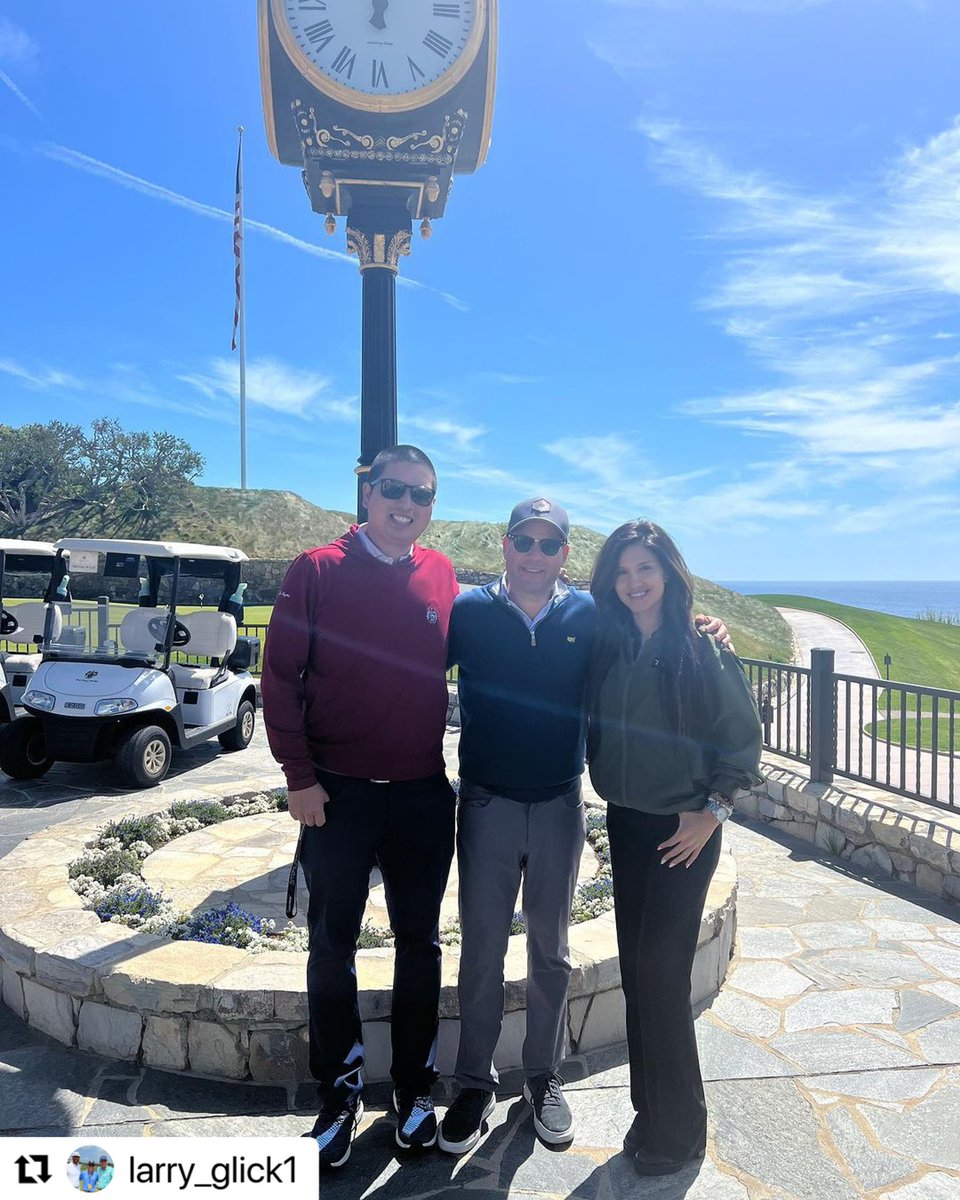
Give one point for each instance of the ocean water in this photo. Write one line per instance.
(899, 597)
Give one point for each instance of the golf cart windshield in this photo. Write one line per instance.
(30, 576)
(134, 618)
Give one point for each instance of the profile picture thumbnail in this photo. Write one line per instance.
(89, 1169)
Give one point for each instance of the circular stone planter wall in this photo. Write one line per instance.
(232, 1014)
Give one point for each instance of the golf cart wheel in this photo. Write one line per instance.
(23, 753)
(144, 756)
(240, 736)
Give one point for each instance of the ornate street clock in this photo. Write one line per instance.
(383, 93)
(380, 103)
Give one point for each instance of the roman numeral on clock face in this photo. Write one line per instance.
(318, 6)
(345, 61)
(447, 10)
(320, 34)
(438, 43)
(414, 70)
(378, 75)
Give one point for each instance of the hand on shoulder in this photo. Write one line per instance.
(716, 628)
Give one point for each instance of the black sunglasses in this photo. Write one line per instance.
(523, 544)
(394, 489)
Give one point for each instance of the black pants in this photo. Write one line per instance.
(658, 910)
(407, 830)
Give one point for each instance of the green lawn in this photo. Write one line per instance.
(926, 734)
(924, 652)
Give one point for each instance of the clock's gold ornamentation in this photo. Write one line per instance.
(421, 146)
(379, 252)
(394, 143)
(359, 244)
(399, 247)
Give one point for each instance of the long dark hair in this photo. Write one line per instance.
(680, 677)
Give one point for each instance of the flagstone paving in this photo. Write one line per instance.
(831, 1059)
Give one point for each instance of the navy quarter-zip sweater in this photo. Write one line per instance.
(521, 692)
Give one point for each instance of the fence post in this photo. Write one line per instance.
(103, 620)
(822, 722)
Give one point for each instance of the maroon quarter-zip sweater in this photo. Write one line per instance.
(354, 668)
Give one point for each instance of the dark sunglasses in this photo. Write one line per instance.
(394, 489)
(523, 544)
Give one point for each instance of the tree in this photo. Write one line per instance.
(39, 467)
(136, 479)
(124, 484)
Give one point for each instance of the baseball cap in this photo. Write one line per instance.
(540, 509)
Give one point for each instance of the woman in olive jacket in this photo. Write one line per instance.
(674, 732)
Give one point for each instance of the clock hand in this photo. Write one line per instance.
(379, 7)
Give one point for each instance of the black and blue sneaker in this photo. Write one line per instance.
(335, 1128)
(416, 1119)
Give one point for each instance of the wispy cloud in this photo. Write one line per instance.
(94, 166)
(41, 377)
(20, 95)
(17, 49)
(774, 7)
(272, 384)
(508, 378)
(463, 437)
(836, 294)
(16, 45)
(211, 393)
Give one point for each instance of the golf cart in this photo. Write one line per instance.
(22, 625)
(112, 682)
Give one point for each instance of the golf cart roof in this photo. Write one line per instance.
(18, 546)
(153, 549)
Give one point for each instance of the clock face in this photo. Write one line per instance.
(381, 54)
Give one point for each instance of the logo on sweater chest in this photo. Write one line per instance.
(433, 614)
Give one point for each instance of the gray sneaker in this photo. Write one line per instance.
(552, 1117)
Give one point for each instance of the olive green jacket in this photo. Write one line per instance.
(637, 761)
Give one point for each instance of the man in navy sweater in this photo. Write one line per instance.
(522, 645)
(355, 703)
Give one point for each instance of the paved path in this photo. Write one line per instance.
(857, 751)
(832, 1056)
(811, 630)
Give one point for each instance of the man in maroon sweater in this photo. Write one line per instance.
(354, 703)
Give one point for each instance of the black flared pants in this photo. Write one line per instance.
(658, 910)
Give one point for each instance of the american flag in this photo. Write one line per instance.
(237, 245)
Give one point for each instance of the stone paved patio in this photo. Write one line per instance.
(832, 1056)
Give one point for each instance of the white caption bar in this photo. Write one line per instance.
(158, 1168)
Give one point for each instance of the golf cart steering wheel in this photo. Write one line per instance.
(181, 634)
(8, 622)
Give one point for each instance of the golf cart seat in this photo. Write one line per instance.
(142, 629)
(31, 618)
(212, 635)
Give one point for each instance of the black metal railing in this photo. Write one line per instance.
(783, 698)
(903, 737)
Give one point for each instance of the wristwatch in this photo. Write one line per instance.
(720, 805)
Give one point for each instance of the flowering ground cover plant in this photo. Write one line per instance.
(108, 878)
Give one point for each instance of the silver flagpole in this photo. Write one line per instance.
(241, 323)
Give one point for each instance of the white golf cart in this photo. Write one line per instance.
(22, 625)
(114, 690)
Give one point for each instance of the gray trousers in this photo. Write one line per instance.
(501, 842)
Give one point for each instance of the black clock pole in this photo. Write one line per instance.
(378, 139)
(379, 239)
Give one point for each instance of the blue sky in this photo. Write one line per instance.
(709, 274)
